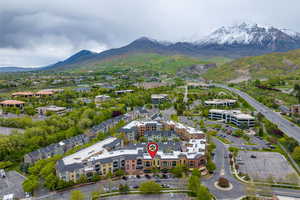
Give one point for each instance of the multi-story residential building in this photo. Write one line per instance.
(220, 102)
(109, 156)
(184, 132)
(158, 98)
(160, 135)
(55, 149)
(232, 116)
(136, 129)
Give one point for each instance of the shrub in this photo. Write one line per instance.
(223, 182)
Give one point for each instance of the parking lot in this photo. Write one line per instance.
(12, 184)
(266, 166)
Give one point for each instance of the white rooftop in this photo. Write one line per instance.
(235, 113)
(159, 96)
(139, 123)
(189, 129)
(112, 154)
(83, 154)
(220, 101)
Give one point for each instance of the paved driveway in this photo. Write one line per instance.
(12, 184)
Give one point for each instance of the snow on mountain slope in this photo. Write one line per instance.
(248, 34)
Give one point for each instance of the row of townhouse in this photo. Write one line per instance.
(99, 159)
(232, 116)
(136, 129)
(65, 145)
(56, 148)
(220, 102)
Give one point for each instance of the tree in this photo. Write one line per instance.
(194, 185)
(30, 184)
(261, 132)
(210, 166)
(124, 189)
(177, 171)
(120, 172)
(77, 195)
(150, 187)
(296, 154)
(196, 172)
(203, 193)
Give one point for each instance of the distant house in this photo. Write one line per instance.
(44, 93)
(101, 98)
(295, 109)
(124, 91)
(22, 94)
(85, 100)
(158, 98)
(82, 89)
(53, 109)
(12, 103)
(284, 110)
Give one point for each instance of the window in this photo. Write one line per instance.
(139, 162)
(173, 163)
(164, 163)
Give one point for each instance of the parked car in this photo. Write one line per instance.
(147, 176)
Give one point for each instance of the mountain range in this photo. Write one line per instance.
(233, 42)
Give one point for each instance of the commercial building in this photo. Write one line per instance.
(158, 98)
(220, 102)
(232, 116)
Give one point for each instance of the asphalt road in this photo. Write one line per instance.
(223, 170)
(284, 125)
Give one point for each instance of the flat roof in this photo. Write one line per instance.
(85, 153)
(157, 96)
(220, 101)
(138, 123)
(235, 113)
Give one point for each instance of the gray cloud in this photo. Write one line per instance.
(38, 33)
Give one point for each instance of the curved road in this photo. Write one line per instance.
(223, 170)
(284, 125)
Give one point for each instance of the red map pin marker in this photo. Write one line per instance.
(152, 148)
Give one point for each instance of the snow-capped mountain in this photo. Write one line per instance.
(232, 41)
(252, 35)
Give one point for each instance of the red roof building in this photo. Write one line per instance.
(12, 103)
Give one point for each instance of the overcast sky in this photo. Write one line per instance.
(38, 32)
